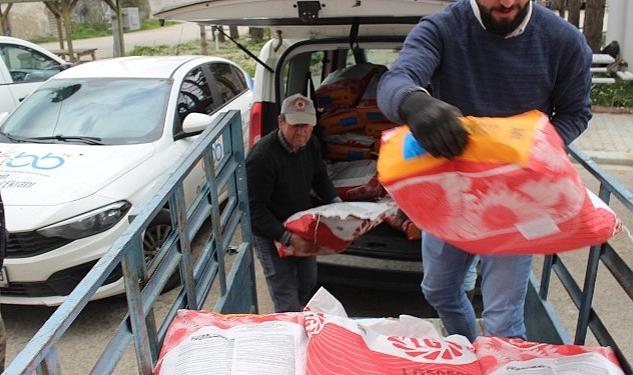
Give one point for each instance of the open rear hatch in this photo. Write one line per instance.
(293, 13)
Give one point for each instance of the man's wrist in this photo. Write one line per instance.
(416, 89)
(411, 101)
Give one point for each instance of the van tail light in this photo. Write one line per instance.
(255, 124)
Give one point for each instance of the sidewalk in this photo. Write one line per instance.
(168, 35)
(608, 139)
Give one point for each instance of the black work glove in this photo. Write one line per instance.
(434, 124)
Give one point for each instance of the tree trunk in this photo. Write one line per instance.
(257, 33)
(574, 12)
(560, 5)
(594, 23)
(66, 10)
(4, 19)
(204, 45)
(220, 35)
(234, 32)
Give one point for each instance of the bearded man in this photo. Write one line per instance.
(491, 58)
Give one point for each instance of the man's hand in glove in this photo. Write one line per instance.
(434, 124)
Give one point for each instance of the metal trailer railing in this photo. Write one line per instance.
(237, 291)
(542, 321)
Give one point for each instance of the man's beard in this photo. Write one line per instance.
(502, 28)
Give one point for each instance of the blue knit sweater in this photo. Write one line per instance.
(547, 67)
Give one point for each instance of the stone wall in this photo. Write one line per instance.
(28, 20)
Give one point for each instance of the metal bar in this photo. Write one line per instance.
(40, 354)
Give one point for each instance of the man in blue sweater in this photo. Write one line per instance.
(484, 58)
(283, 169)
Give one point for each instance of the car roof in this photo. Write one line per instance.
(136, 66)
(26, 43)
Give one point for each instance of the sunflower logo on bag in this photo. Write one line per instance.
(427, 348)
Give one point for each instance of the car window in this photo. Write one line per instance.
(28, 65)
(115, 110)
(321, 63)
(229, 80)
(195, 95)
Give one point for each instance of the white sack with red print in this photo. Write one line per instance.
(333, 227)
(499, 356)
(356, 180)
(202, 342)
(407, 345)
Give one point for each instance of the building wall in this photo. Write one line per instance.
(619, 29)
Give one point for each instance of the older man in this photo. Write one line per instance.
(286, 173)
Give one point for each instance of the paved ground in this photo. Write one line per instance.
(168, 35)
(609, 139)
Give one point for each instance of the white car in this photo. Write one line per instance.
(24, 66)
(83, 149)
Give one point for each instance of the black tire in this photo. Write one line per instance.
(154, 237)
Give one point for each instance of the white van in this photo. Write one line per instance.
(310, 40)
(24, 66)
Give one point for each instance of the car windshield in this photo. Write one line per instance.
(96, 111)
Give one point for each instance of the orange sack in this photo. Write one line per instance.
(512, 191)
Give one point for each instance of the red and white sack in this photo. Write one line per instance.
(356, 180)
(512, 191)
(407, 345)
(202, 342)
(333, 227)
(499, 355)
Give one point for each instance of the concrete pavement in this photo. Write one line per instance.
(609, 138)
(168, 35)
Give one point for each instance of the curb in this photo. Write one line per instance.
(610, 157)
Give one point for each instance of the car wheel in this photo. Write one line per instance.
(154, 237)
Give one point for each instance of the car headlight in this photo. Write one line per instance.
(88, 224)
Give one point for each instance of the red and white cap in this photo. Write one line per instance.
(298, 109)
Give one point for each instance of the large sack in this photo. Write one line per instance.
(203, 342)
(356, 180)
(341, 345)
(499, 355)
(333, 227)
(512, 191)
(344, 87)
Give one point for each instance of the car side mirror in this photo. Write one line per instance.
(196, 123)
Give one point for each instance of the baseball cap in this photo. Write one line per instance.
(298, 109)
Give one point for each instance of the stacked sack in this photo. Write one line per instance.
(324, 340)
(350, 126)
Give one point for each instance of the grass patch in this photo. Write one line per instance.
(227, 50)
(615, 95)
(85, 31)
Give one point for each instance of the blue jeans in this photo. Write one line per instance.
(291, 280)
(504, 281)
